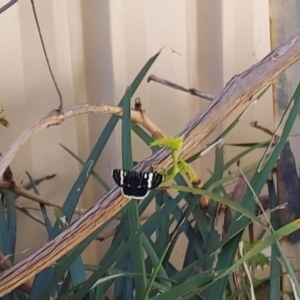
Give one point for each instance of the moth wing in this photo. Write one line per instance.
(156, 180)
(118, 176)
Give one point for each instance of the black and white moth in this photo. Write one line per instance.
(136, 184)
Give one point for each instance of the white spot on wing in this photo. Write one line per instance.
(149, 181)
(121, 177)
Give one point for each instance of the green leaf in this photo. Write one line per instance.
(126, 131)
(174, 143)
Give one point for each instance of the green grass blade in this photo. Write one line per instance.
(158, 268)
(136, 250)
(4, 234)
(212, 210)
(136, 262)
(11, 222)
(155, 252)
(162, 232)
(186, 288)
(275, 265)
(20, 295)
(126, 132)
(66, 285)
(44, 212)
(77, 271)
(93, 173)
(193, 202)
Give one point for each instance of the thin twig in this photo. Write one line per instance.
(176, 86)
(29, 214)
(7, 5)
(34, 197)
(41, 179)
(47, 59)
(263, 129)
(18, 190)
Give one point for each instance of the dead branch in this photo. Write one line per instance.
(25, 211)
(240, 88)
(55, 118)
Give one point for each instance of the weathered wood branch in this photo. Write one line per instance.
(56, 118)
(240, 88)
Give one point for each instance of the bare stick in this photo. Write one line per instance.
(263, 129)
(240, 89)
(176, 86)
(46, 57)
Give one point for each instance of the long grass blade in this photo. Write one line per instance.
(275, 265)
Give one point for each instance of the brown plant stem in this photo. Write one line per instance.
(176, 86)
(34, 197)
